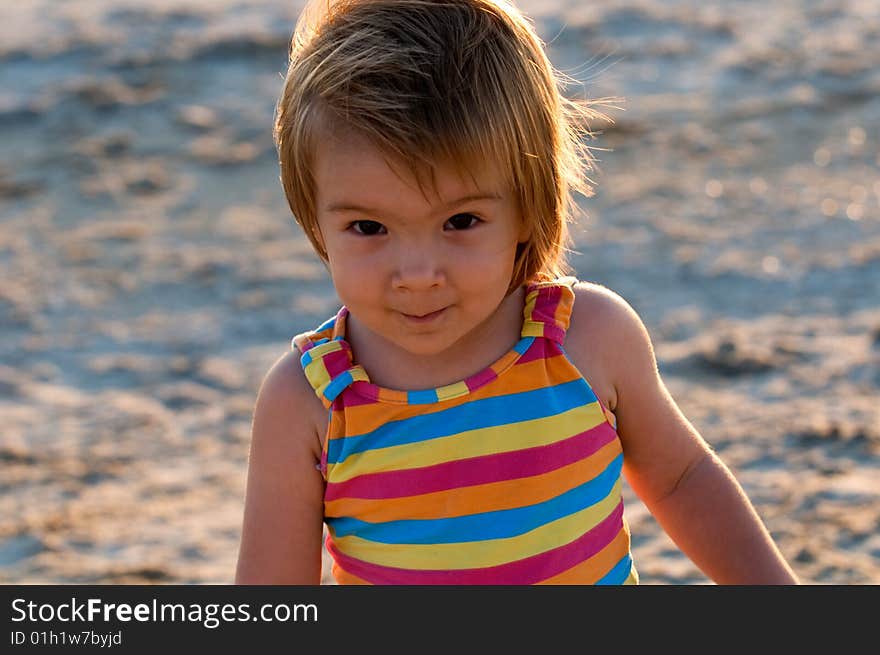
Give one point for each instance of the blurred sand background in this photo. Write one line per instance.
(150, 272)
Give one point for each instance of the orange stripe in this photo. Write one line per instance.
(499, 365)
(562, 315)
(591, 570)
(463, 501)
(317, 336)
(392, 396)
(344, 577)
(335, 430)
(535, 374)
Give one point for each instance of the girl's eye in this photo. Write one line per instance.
(462, 221)
(367, 228)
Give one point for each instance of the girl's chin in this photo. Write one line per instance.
(424, 346)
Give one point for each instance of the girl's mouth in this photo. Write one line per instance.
(424, 318)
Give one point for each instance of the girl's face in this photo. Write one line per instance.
(422, 270)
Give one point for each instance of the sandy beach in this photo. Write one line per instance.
(151, 271)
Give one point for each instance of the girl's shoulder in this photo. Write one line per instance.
(281, 531)
(286, 394)
(596, 304)
(603, 333)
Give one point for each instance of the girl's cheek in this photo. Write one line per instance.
(348, 247)
(354, 267)
(486, 253)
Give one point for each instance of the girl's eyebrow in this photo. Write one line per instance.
(344, 206)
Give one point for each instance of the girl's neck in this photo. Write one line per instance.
(394, 368)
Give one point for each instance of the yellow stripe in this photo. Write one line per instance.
(317, 352)
(532, 329)
(359, 374)
(469, 443)
(489, 497)
(316, 371)
(317, 375)
(480, 554)
(529, 306)
(452, 391)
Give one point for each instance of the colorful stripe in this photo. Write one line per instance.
(456, 556)
(451, 500)
(510, 476)
(519, 378)
(528, 570)
(469, 443)
(486, 413)
(472, 471)
(499, 524)
(595, 568)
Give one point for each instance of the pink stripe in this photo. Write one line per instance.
(546, 304)
(476, 381)
(358, 397)
(474, 470)
(540, 349)
(546, 310)
(554, 333)
(302, 343)
(525, 571)
(337, 362)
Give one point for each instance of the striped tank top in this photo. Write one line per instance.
(511, 476)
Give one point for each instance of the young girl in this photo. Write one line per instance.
(467, 415)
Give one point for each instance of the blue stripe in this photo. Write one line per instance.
(306, 358)
(484, 413)
(618, 574)
(337, 385)
(425, 397)
(498, 524)
(523, 345)
(329, 323)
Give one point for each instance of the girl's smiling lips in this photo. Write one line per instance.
(423, 318)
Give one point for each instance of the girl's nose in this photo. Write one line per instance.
(418, 269)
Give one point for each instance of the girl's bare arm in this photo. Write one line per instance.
(283, 514)
(685, 485)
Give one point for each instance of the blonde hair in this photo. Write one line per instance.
(465, 81)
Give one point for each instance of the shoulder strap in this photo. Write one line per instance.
(327, 359)
(305, 341)
(547, 310)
